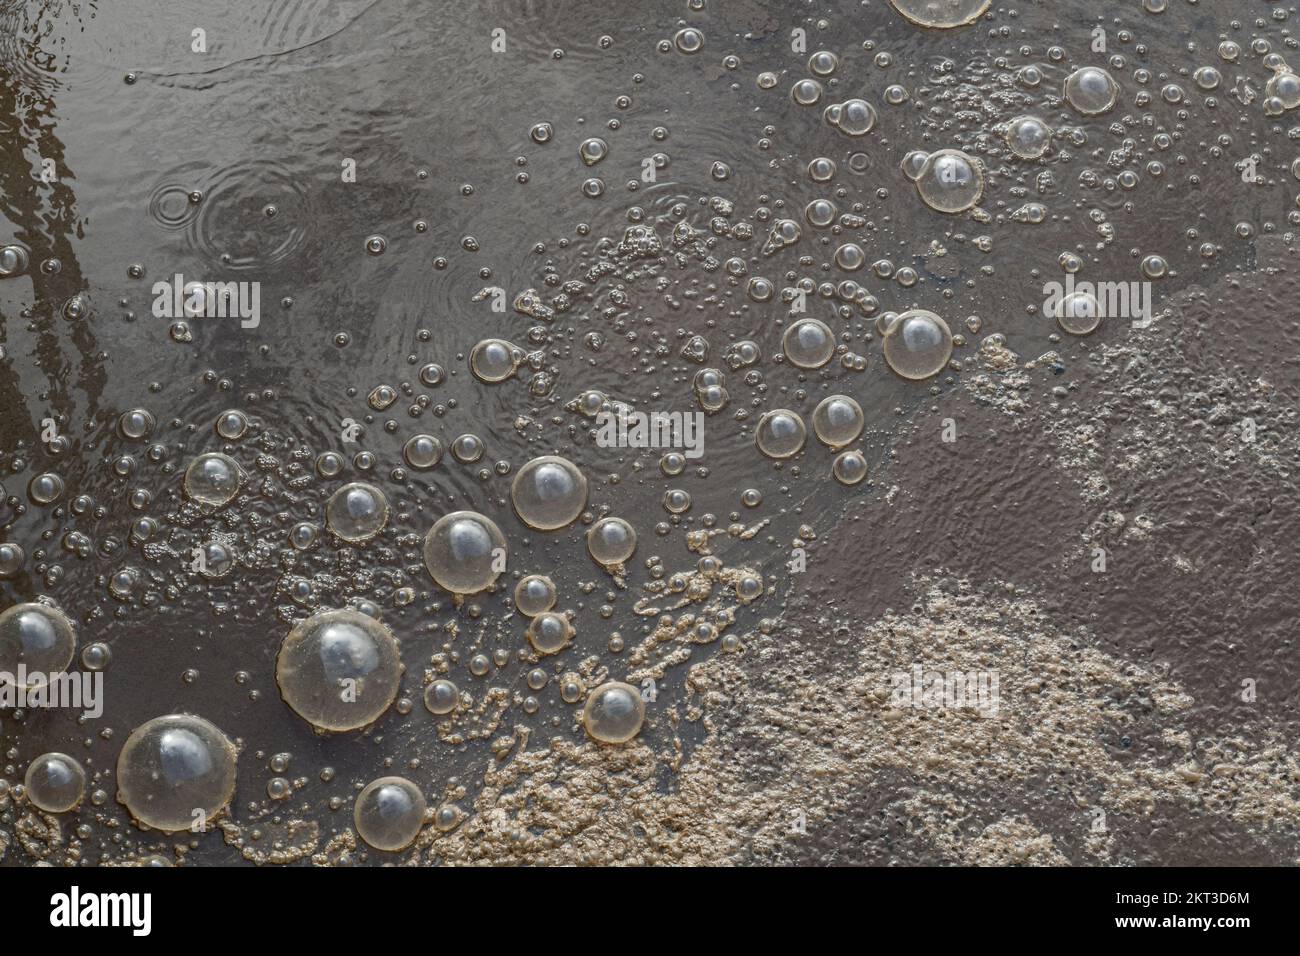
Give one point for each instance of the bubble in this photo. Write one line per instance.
(821, 169)
(534, 594)
(1286, 87)
(1207, 78)
(96, 656)
(13, 261)
(12, 557)
(614, 713)
(849, 467)
(780, 433)
(823, 63)
(809, 343)
(303, 535)
(464, 552)
(123, 583)
(213, 479)
(549, 493)
(45, 488)
(590, 402)
(806, 92)
(1028, 137)
(329, 464)
(422, 452)
(591, 151)
(549, 631)
(356, 512)
(942, 14)
(837, 420)
(913, 163)
(541, 133)
(766, 80)
(135, 424)
(1155, 267)
(389, 813)
(55, 782)
(611, 541)
(677, 501)
(467, 449)
(232, 424)
(339, 669)
(917, 344)
(855, 117)
(689, 40)
(1091, 90)
(1078, 313)
(850, 257)
(495, 360)
(36, 636)
(381, 397)
(441, 697)
(760, 289)
(950, 181)
(175, 765)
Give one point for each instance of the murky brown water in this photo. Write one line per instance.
(654, 197)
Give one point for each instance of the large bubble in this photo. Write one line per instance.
(950, 181)
(465, 552)
(917, 344)
(614, 713)
(357, 512)
(176, 772)
(39, 638)
(1078, 313)
(809, 343)
(549, 632)
(837, 420)
(942, 14)
(213, 479)
(1091, 90)
(1028, 136)
(534, 594)
(339, 670)
(549, 492)
(780, 433)
(611, 541)
(389, 813)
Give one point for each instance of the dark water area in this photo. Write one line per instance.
(372, 170)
